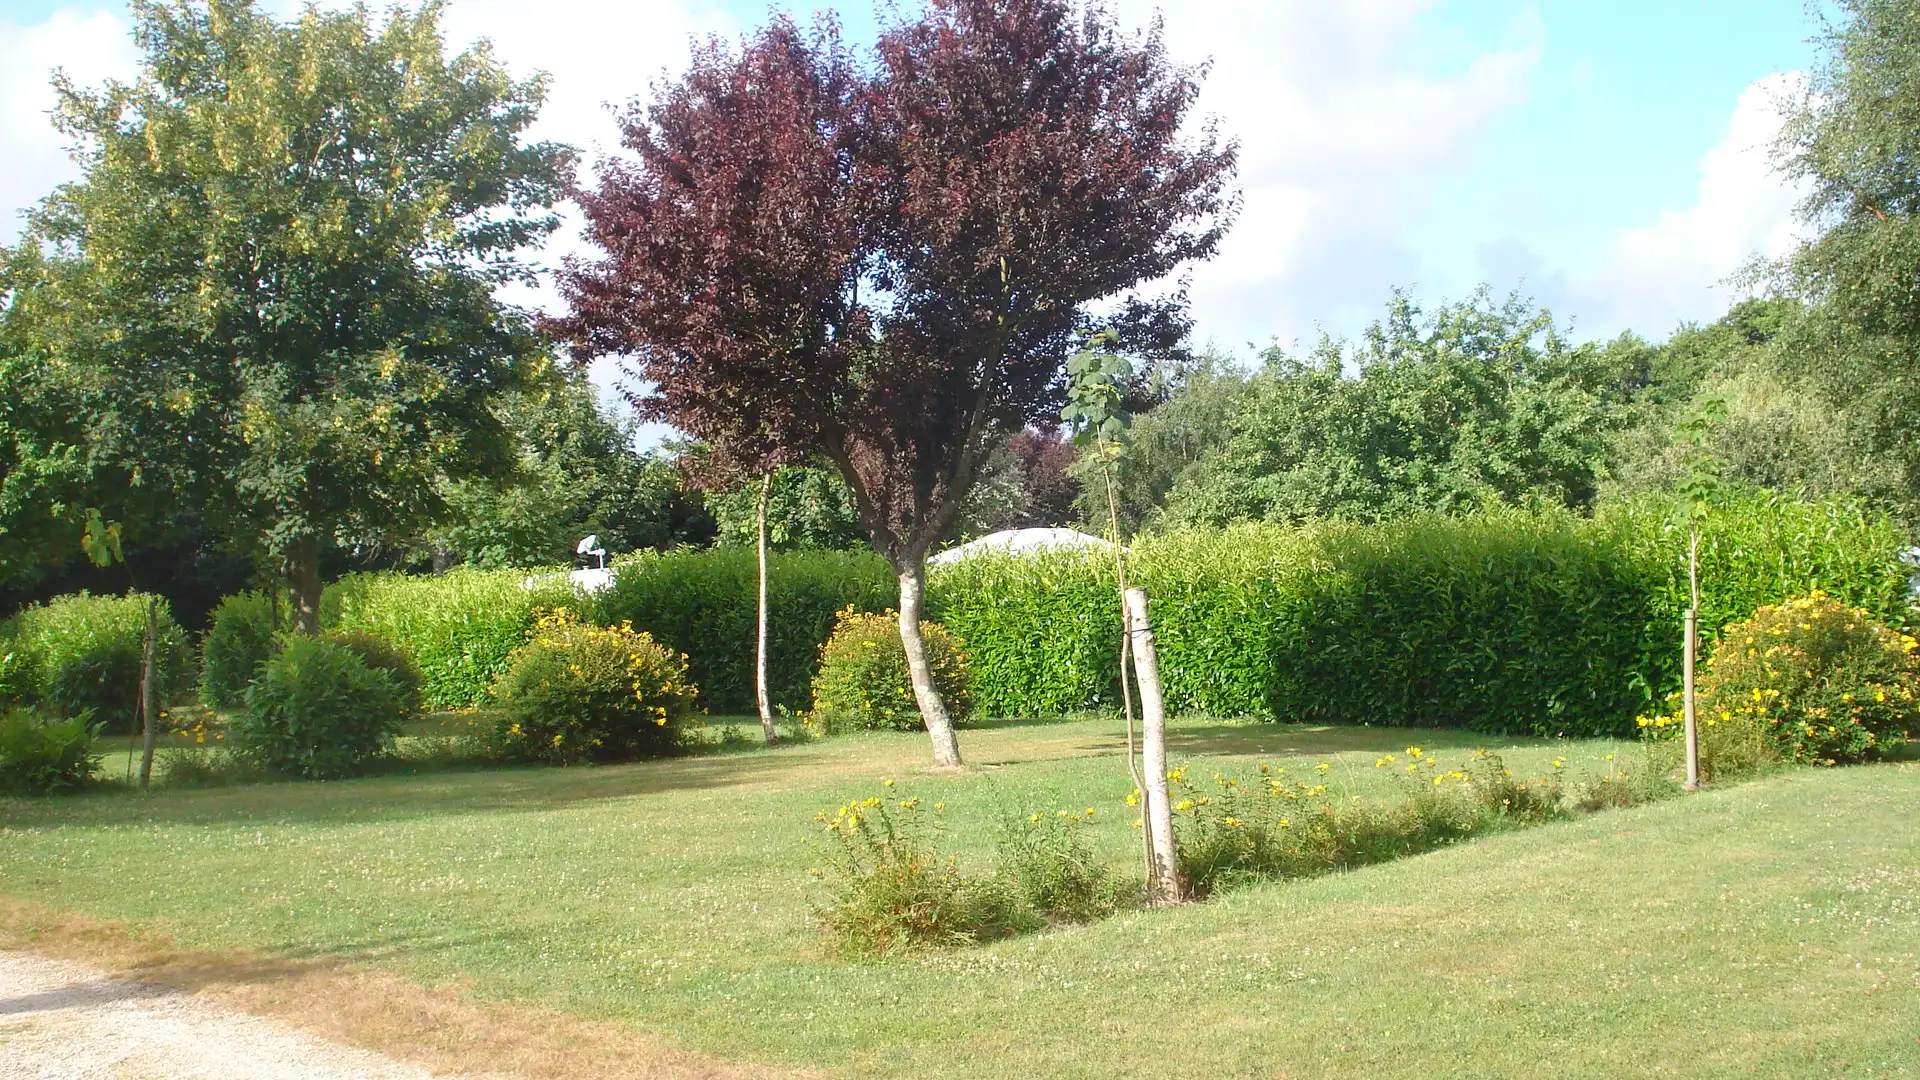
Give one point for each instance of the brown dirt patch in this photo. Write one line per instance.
(441, 1029)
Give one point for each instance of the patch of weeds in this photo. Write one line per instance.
(1045, 860)
(892, 891)
(1620, 787)
(1250, 828)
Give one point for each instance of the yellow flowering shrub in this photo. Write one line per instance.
(577, 693)
(863, 683)
(1809, 680)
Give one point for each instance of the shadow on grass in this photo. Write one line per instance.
(431, 792)
(435, 788)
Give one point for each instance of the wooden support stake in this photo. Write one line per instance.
(149, 693)
(1693, 727)
(1165, 886)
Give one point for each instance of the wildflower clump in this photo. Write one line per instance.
(1047, 862)
(1810, 680)
(863, 682)
(1241, 828)
(891, 890)
(577, 693)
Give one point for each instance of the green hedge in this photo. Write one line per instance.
(1504, 622)
(459, 626)
(702, 603)
(83, 652)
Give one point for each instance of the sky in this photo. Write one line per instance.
(1605, 157)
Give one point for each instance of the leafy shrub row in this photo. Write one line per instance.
(702, 603)
(238, 640)
(318, 710)
(82, 654)
(1504, 622)
(459, 627)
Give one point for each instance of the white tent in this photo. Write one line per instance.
(1020, 542)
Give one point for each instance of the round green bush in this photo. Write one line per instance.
(863, 683)
(316, 710)
(391, 657)
(235, 645)
(1810, 680)
(40, 754)
(576, 693)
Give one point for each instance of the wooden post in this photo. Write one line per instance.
(1693, 727)
(149, 693)
(1692, 629)
(1165, 886)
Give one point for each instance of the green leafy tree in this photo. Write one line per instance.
(1854, 140)
(806, 508)
(578, 473)
(1166, 444)
(280, 269)
(1479, 403)
(1773, 427)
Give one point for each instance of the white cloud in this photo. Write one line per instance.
(91, 48)
(1340, 135)
(599, 54)
(1678, 267)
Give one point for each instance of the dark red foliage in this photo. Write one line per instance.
(1045, 456)
(887, 268)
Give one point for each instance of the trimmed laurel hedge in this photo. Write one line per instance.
(459, 627)
(1508, 621)
(701, 602)
(1504, 622)
(83, 654)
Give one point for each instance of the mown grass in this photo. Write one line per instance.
(1767, 929)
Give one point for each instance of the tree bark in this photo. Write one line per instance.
(762, 697)
(933, 711)
(1165, 886)
(149, 692)
(303, 572)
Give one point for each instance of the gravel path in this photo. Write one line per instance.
(61, 1021)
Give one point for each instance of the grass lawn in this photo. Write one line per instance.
(1771, 929)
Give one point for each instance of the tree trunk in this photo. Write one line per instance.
(149, 692)
(303, 572)
(761, 696)
(946, 748)
(1165, 887)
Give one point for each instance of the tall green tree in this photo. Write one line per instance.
(578, 473)
(1855, 141)
(1183, 423)
(1479, 402)
(1773, 428)
(280, 269)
